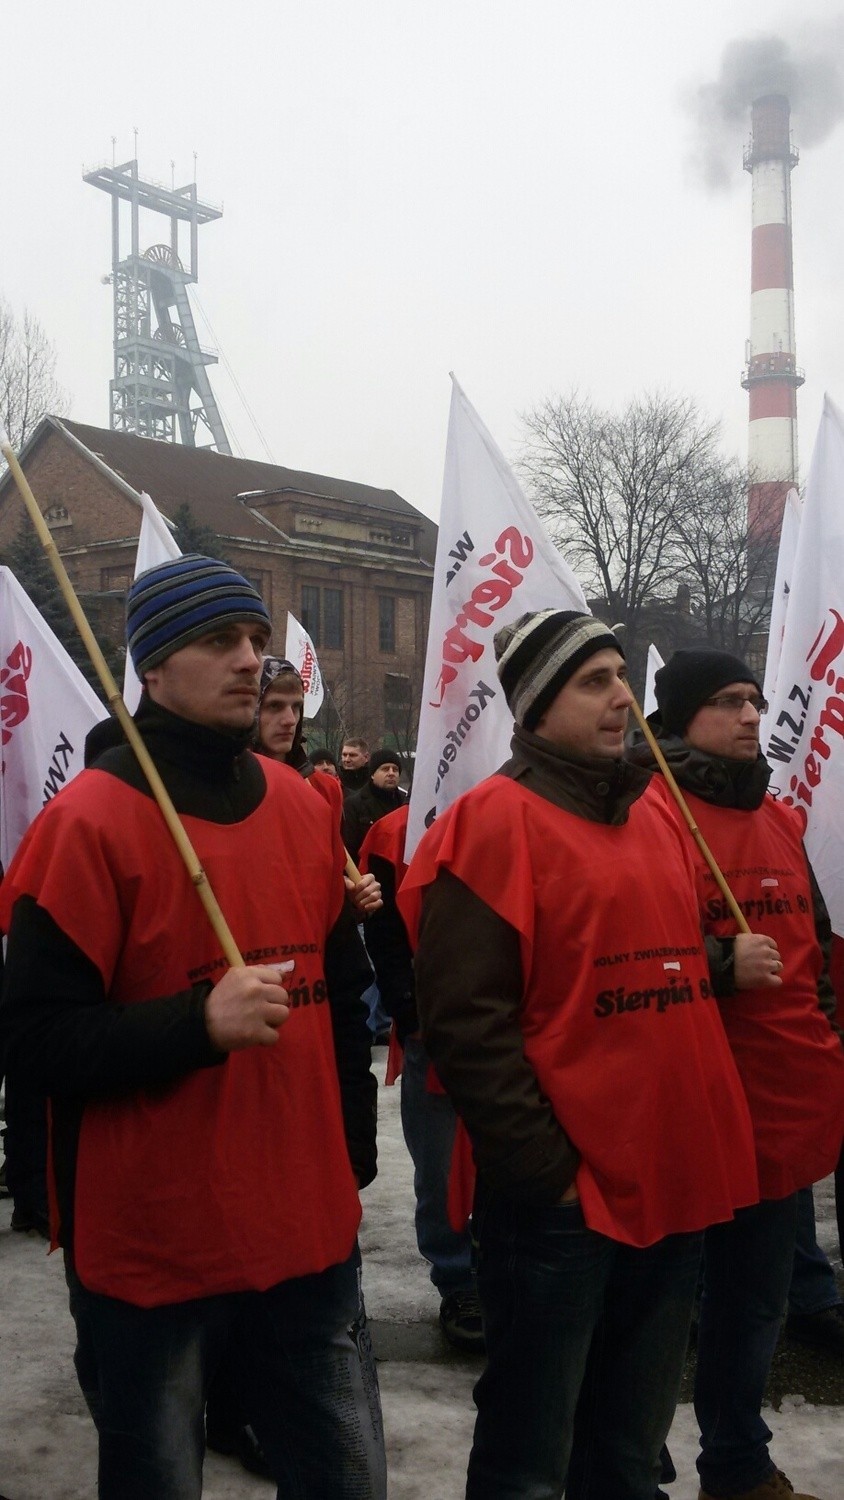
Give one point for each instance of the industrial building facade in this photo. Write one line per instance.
(354, 564)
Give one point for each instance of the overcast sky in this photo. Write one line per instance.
(510, 189)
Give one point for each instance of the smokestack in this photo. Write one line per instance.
(771, 376)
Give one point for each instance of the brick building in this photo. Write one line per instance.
(354, 564)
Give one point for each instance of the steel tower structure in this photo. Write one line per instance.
(160, 387)
(771, 376)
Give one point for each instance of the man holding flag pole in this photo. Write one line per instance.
(558, 933)
(710, 708)
(205, 1196)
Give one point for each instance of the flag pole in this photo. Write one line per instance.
(683, 805)
(121, 713)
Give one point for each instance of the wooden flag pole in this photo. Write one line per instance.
(124, 718)
(683, 805)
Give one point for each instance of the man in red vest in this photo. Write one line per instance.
(565, 1001)
(211, 1126)
(790, 1060)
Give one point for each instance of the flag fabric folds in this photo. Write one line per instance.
(494, 562)
(806, 735)
(156, 544)
(299, 648)
(655, 661)
(779, 602)
(46, 710)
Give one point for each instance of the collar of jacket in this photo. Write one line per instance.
(739, 784)
(207, 754)
(597, 789)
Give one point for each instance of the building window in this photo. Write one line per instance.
(322, 616)
(310, 612)
(57, 515)
(263, 584)
(386, 623)
(332, 619)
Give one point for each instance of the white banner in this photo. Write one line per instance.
(655, 661)
(806, 739)
(299, 648)
(494, 562)
(156, 544)
(46, 710)
(779, 602)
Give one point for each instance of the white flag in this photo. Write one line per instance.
(806, 741)
(156, 544)
(299, 648)
(655, 661)
(494, 562)
(46, 710)
(779, 602)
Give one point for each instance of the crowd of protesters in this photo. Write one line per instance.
(630, 1095)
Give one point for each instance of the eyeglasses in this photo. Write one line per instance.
(733, 703)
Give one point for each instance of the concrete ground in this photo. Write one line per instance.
(47, 1442)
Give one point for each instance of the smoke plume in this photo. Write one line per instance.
(810, 72)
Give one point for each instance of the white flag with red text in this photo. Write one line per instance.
(806, 736)
(46, 710)
(655, 661)
(494, 562)
(779, 602)
(156, 544)
(299, 648)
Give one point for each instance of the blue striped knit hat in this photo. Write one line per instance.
(174, 603)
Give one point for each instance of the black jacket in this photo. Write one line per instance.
(365, 808)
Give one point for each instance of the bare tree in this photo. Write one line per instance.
(729, 574)
(28, 387)
(652, 518)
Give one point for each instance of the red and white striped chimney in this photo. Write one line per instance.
(771, 375)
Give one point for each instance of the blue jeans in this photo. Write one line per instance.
(302, 1361)
(585, 1340)
(429, 1122)
(377, 1020)
(747, 1270)
(813, 1286)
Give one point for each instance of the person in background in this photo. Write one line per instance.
(428, 1119)
(380, 795)
(709, 706)
(323, 760)
(354, 764)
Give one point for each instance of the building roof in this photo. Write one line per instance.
(210, 482)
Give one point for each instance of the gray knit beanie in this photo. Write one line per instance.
(538, 654)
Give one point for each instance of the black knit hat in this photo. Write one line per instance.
(178, 601)
(539, 652)
(690, 677)
(384, 758)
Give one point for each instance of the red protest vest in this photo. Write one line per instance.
(790, 1060)
(329, 789)
(237, 1176)
(386, 840)
(617, 1018)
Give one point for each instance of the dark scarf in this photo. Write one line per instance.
(596, 788)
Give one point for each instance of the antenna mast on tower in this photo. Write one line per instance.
(160, 371)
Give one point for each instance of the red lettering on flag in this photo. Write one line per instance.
(14, 700)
